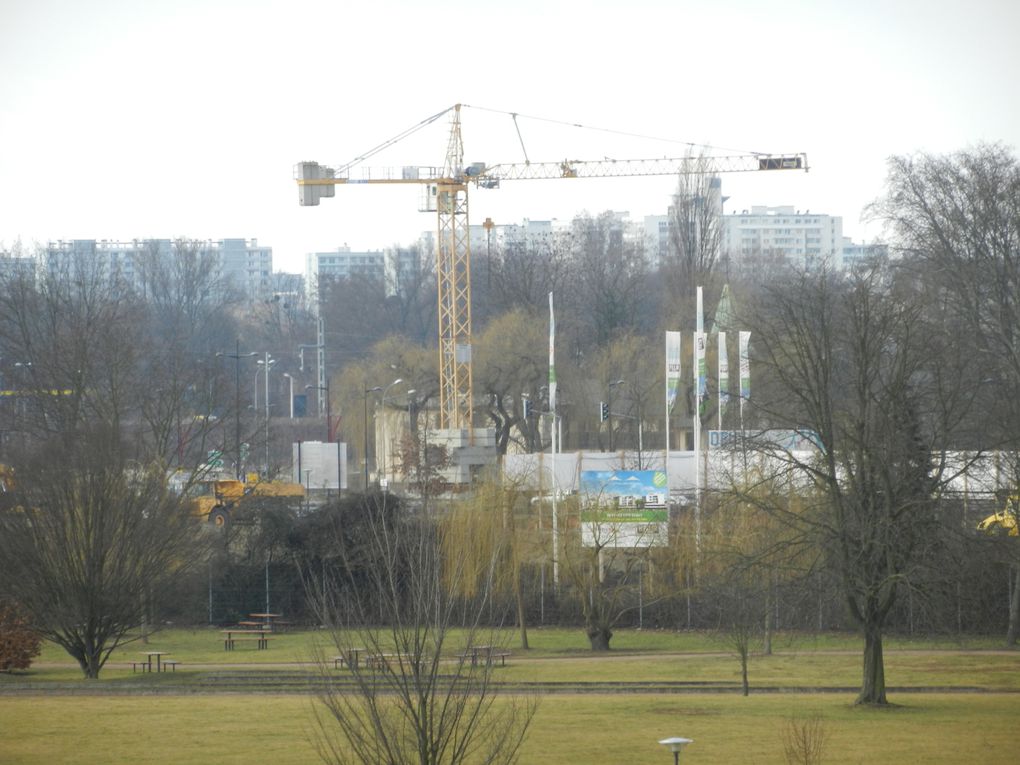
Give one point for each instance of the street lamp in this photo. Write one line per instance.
(675, 744)
(268, 362)
(237, 356)
(609, 409)
(329, 414)
(376, 389)
(382, 403)
(290, 379)
(364, 442)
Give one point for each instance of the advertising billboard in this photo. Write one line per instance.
(624, 508)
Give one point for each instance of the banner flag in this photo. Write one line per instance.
(745, 366)
(724, 374)
(700, 371)
(552, 357)
(672, 368)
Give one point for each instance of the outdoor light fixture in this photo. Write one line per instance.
(675, 744)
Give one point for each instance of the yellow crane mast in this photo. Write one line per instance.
(446, 193)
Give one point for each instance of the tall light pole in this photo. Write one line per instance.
(329, 413)
(237, 356)
(382, 402)
(364, 443)
(290, 380)
(376, 389)
(266, 363)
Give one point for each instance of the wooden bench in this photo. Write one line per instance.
(170, 664)
(489, 655)
(262, 642)
(139, 665)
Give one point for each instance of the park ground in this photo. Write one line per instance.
(952, 701)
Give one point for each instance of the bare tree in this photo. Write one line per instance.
(412, 694)
(91, 541)
(851, 360)
(609, 277)
(695, 236)
(957, 217)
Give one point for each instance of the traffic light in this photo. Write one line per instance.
(603, 411)
(526, 407)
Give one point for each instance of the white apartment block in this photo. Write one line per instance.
(803, 239)
(388, 266)
(242, 262)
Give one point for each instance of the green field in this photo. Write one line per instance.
(163, 720)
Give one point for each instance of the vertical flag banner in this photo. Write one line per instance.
(700, 371)
(552, 357)
(724, 375)
(745, 366)
(700, 319)
(672, 368)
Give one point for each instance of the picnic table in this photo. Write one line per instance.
(489, 653)
(146, 664)
(265, 619)
(238, 634)
(350, 656)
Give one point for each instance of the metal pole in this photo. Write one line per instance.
(237, 408)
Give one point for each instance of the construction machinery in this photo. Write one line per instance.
(1004, 522)
(446, 193)
(223, 500)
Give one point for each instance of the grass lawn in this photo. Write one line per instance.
(610, 729)
(181, 727)
(560, 655)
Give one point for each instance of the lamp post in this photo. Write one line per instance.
(382, 402)
(376, 389)
(237, 356)
(329, 414)
(364, 442)
(266, 363)
(675, 744)
(609, 409)
(290, 380)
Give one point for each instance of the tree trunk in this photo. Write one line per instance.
(743, 673)
(766, 643)
(521, 621)
(1014, 610)
(873, 681)
(599, 637)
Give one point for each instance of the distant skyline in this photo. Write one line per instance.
(170, 118)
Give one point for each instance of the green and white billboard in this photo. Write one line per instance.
(624, 508)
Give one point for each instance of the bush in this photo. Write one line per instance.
(18, 643)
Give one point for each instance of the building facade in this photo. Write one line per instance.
(242, 263)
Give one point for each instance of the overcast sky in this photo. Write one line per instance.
(124, 119)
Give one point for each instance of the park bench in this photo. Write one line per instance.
(170, 664)
(261, 642)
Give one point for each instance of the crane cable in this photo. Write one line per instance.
(520, 138)
(345, 168)
(688, 144)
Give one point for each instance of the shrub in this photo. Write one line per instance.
(18, 643)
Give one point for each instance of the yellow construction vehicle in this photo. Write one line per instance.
(1004, 522)
(222, 500)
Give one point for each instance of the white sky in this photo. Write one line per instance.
(124, 119)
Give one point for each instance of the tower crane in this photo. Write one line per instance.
(446, 193)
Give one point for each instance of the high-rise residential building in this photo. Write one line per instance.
(389, 266)
(242, 263)
(801, 238)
